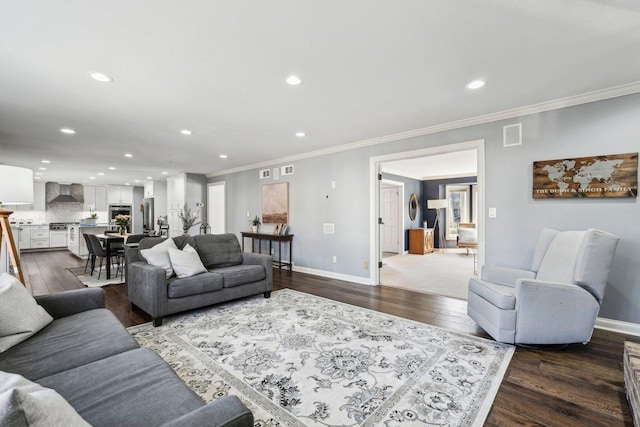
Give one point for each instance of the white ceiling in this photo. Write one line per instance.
(449, 165)
(370, 68)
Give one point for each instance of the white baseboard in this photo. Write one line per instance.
(626, 328)
(332, 275)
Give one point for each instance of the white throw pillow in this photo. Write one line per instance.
(24, 403)
(186, 262)
(158, 255)
(467, 235)
(20, 314)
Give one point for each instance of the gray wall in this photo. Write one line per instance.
(604, 127)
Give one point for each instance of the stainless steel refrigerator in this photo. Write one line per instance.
(147, 216)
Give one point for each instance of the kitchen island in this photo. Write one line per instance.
(77, 244)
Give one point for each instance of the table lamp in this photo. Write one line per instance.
(438, 204)
(16, 188)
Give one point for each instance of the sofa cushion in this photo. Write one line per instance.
(136, 388)
(241, 274)
(158, 255)
(24, 403)
(20, 314)
(218, 250)
(194, 285)
(67, 343)
(186, 262)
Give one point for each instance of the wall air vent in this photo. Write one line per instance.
(265, 174)
(286, 170)
(512, 135)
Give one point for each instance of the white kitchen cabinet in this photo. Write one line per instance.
(5, 259)
(148, 189)
(39, 236)
(95, 196)
(25, 236)
(39, 196)
(58, 239)
(184, 189)
(120, 195)
(176, 191)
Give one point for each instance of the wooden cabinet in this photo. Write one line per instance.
(120, 195)
(420, 241)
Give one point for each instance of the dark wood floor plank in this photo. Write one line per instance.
(580, 386)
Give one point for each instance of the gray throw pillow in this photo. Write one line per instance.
(26, 404)
(20, 314)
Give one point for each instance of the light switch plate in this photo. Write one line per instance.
(492, 212)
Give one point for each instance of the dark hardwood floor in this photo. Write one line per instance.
(577, 386)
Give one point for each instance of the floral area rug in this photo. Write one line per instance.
(296, 359)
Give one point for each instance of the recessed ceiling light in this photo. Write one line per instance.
(111, 168)
(38, 173)
(45, 161)
(101, 173)
(149, 177)
(103, 78)
(43, 169)
(68, 131)
(165, 173)
(128, 155)
(36, 177)
(294, 80)
(126, 183)
(136, 180)
(92, 177)
(186, 132)
(301, 134)
(223, 156)
(476, 84)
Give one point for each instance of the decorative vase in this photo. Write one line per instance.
(123, 230)
(254, 228)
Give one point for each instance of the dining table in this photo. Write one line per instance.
(108, 240)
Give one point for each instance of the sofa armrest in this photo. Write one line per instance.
(228, 411)
(504, 275)
(147, 288)
(542, 306)
(261, 259)
(63, 304)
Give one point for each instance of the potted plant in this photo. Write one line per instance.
(188, 219)
(255, 222)
(123, 222)
(93, 216)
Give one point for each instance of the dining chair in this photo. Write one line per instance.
(101, 252)
(91, 256)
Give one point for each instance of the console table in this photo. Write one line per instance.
(287, 238)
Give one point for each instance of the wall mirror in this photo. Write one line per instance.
(460, 208)
(413, 206)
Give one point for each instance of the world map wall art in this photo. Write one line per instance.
(614, 175)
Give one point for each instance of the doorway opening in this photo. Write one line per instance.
(216, 207)
(449, 273)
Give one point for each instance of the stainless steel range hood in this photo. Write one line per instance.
(64, 193)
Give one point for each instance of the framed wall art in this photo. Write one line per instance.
(613, 175)
(275, 203)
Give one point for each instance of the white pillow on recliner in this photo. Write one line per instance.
(20, 314)
(467, 235)
(158, 255)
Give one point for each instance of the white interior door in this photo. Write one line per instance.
(390, 198)
(216, 203)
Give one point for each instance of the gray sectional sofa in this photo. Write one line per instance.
(230, 274)
(88, 357)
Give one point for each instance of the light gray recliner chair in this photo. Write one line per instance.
(557, 302)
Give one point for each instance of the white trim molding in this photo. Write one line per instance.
(556, 104)
(625, 328)
(333, 275)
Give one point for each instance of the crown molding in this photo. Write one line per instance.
(556, 104)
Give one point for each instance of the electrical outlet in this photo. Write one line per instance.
(335, 259)
(366, 265)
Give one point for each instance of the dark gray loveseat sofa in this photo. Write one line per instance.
(89, 358)
(231, 274)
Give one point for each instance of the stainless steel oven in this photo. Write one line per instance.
(115, 210)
